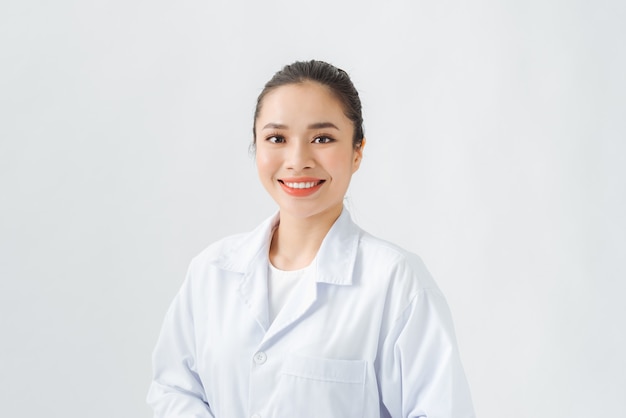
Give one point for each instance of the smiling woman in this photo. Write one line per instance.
(304, 153)
(308, 315)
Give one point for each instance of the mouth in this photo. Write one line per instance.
(301, 187)
(301, 184)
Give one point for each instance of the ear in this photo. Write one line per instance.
(358, 156)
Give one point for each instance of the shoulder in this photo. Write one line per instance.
(223, 254)
(398, 277)
(236, 253)
(213, 266)
(218, 249)
(398, 263)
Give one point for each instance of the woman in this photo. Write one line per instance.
(308, 315)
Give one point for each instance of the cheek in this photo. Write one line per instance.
(342, 165)
(265, 164)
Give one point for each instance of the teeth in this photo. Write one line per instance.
(305, 185)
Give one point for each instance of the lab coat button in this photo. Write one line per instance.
(260, 358)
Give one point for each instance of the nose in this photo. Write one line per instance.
(299, 156)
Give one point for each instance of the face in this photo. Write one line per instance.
(304, 152)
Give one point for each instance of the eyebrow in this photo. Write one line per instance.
(318, 125)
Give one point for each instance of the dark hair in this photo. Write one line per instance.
(336, 79)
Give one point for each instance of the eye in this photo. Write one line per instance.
(323, 140)
(276, 139)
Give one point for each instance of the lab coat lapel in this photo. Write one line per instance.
(250, 257)
(253, 291)
(333, 265)
(297, 305)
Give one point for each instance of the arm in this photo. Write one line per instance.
(176, 390)
(420, 372)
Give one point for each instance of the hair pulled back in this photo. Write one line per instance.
(337, 81)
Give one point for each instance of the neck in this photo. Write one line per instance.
(296, 241)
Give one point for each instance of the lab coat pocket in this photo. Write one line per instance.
(320, 387)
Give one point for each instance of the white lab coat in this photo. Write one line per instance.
(371, 336)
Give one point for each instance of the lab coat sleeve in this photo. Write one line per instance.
(176, 390)
(420, 369)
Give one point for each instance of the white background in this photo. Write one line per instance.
(496, 150)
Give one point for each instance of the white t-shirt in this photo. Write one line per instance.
(280, 283)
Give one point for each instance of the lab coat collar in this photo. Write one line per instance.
(334, 263)
(337, 255)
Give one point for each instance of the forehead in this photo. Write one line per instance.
(304, 100)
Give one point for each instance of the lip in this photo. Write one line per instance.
(302, 190)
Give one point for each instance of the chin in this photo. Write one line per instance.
(304, 211)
